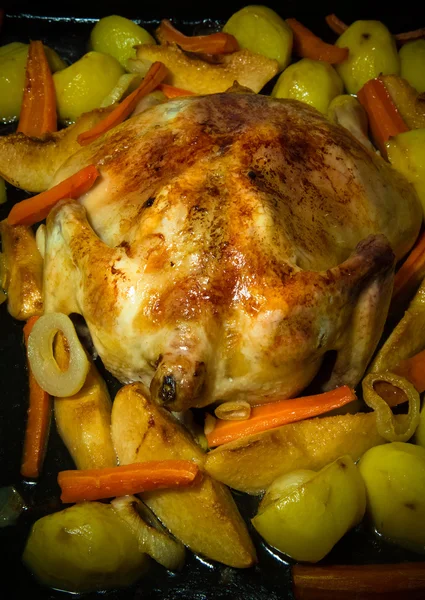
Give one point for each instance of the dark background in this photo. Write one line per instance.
(67, 31)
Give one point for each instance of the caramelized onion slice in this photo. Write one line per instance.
(388, 427)
(43, 364)
(151, 536)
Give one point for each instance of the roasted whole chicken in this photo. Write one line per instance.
(231, 242)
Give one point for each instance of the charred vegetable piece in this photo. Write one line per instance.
(151, 536)
(23, 271)
(82, 86)
(252, 463)
(406, 153)
(412, 62)
(372, 52)
(306, 513)
(312, 81)
(118, 37)
(84, 548)
(204, 517)
(261, 30)
(203, 77)
(394, 475)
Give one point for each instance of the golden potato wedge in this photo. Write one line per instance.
(202, 77)
(409, 102)
(252, 463)
(23, 271)
(204, 517)
(30, 163)
(84, 420)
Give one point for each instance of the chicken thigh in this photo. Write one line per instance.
(231, 241)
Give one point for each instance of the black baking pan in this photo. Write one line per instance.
(65, 26)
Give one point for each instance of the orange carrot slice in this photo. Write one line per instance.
(153, 78)
(413, 369)
(174, 92)
(275, 414)
(38, 422)
(38, 112)
(336, 24)
(215, 43)
(411, 272)
(308, 45)
(95, 484)
(384, 119)
(37, 208)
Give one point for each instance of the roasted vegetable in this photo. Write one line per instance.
(151, 536)
(394, 475)
(118, 36)
(420, 431)
(202, 77)
(13, 58)
(204, 517)
(347, 111)
(252, 463)
(305, 513)
(261, 30)
(126, 84)
(84, 548)
(409, 103)
(372, 53)
(82, 86)
(406, 339)
(412, 64)
(312, 81)
(84, 420)
(392, 429)
(23, 271)
(406, 153)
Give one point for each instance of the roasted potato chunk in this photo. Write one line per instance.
(84, 548)
(23, 271)
(84, 420)
(308, 519)
(204, 517)
(251, 464)
(202, 77)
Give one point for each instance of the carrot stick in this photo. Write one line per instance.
(275, 414)
(410, 36)
(336, 24)
(38, 112)
(215, 43)
(174, 92)
(411, 272)
(37, 208)
(384, 119)
(308, 45)
(38, 422)
(95, 484)
(153, 78)
(320, 582)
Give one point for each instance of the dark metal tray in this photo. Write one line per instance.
(66, 28)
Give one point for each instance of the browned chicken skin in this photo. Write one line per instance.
(231, 241)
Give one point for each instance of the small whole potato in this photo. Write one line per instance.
(394, 475)
(412, 64)
(84, 548)
(312, 81)
(261, 30)
(117, 36)
(305, 513)
(82, 86)
(373, 52)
